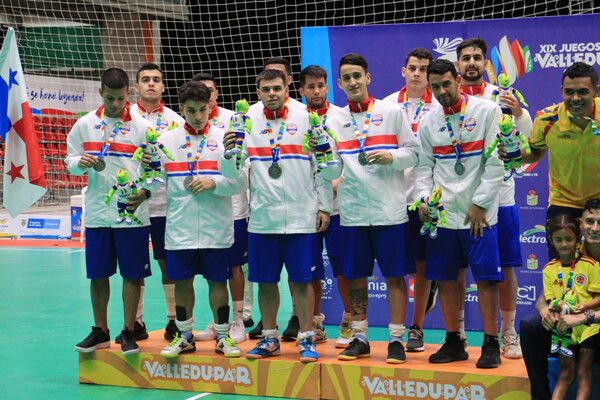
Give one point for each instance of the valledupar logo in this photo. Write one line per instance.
(413, 389)
(562, 55)
(534, 236)
(239, 374)
(509, 58)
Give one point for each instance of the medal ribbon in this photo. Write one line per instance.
(415, 122)
(461, 120)
(113, 133)
(276, 144)
(188, 145)
(559, 275)
(593, 122)
(362, 136)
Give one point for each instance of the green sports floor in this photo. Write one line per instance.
(45, 309)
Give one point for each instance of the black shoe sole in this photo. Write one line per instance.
(143, 336)
(489, 366)
(415, 349)
(287, 338)
(461, 357)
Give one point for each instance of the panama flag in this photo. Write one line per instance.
(23, 176)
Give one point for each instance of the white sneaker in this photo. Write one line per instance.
(226, 346)
(511, 348)
(345, 336)
(207, 334)
(179, 345)
(237, 332)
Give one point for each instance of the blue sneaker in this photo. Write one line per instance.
(266, 347)
(307, 350)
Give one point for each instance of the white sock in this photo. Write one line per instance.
(305, 335)
(360, 327)
(222, 329)
(396, 330)
(508, 322)
(185, 326)
(318, 320)
(169, 289)
(266, 333)
(461, 324)
(346, 316)
(238, 310)
(140, 309)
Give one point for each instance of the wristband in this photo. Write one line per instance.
(590, 315)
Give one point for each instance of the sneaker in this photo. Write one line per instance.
(415, 340)
(266, 347)
(395, 353)
(170, 330)
(98, 339)
(345, 336)
(554, 348)
(490, 353)
(356, 349)
(256, 332)
(320, 334)
(128, 344)
(453, 349)
(139, 332)
(511, 348)
(432, 298)
(248, 323)
(237, 331)
(207, 334)
(307, 350)
(291, 332)
(565, 351)
(226, 346)
(179, 345)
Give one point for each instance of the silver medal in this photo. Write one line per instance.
(275, 171)
(459, 168)
(187, 182)
(100, 165)
(362, 158)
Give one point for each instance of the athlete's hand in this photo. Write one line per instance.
(512, 103)
(476, 216)
(549, 318)
(146, 160)
(87, 161)
(202, 184)
(322, 221)
(134, 200)
(379, 157)
(229, 141)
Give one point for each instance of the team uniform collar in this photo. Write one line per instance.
(456, 107)
(158, 109)
(321, 111)
(474, 90)
(426, 98)
(360, 106)
(125, 116)
(214, 113)
(280, 113)
(189, 129)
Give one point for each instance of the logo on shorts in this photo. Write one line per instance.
(291, 128)
(212, 144)
(580, 279)
(377, 119)
(470, 124)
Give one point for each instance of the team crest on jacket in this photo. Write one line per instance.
(221, 125)
(580, 279)
(470, 124)
(125, 128)
(212, 144)
(377, 119)
(291, 128)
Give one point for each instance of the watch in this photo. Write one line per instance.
(590, 315)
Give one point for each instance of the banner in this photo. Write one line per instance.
(532, 51)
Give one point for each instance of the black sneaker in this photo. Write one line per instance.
(490, 353)
(356, 349)
(128, 344)
(139, 332)
(291, 332)
(431, 299)
(395, 353)
(453, 349)
(256, 333)
(98, 339)
(170, 330)
(415, 340)
(248, 323)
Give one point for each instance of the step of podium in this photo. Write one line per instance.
(286, 376)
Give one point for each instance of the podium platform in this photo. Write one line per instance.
(286, 376)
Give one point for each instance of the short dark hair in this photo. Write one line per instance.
(420, 53)
(205, 76)
(562, 221)
(478, 43)
(270, 74)
(314, 71)
(592, 205)
(114, 78)
(353, 59)
(278, 60)
(440, 67)
(193, 90)
(148, 67)
(581, 70)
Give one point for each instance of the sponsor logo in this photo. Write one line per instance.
(447, 47)
(125, 129)
(377, 385)
(216, 374)
(532, 262)
(471, 295)
(347, 125)
(43, 223)
(510, 58)
(212, 144)
(532, 198)
(580, 279)
(377, 119)
(264, 132)
(555, 55)
(411, 290)
(526, 295)
(377, 288)
(291, 128)
(327, 285)
(183, 146)
(470, 124)
(533, 236)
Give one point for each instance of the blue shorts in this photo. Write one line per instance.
(267, 253)
(239, 249)
(364, 244)
(104, 247)
(509, 246)
(415, 242)
(212, 264)
(157, 234)
(456, 248)
(334, 244)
